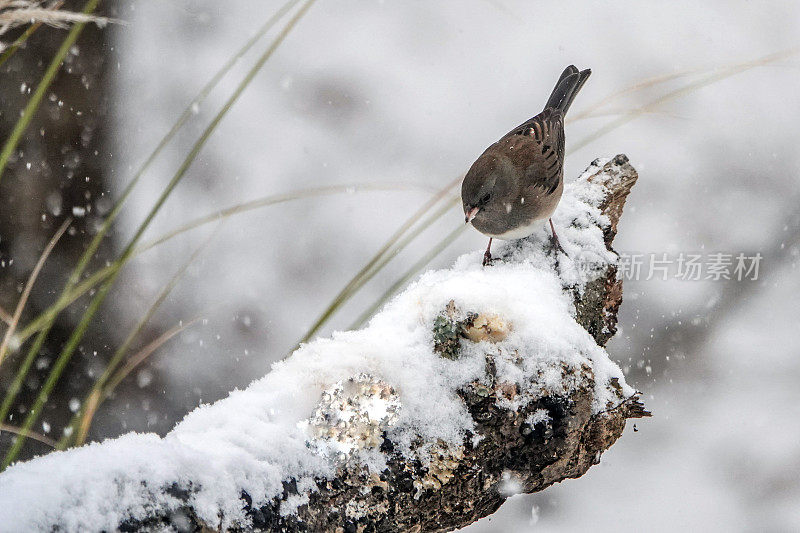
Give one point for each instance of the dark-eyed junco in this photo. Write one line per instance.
(517, 182)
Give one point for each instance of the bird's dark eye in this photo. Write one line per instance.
(485, 198)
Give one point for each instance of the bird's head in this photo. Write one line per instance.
(484, 186)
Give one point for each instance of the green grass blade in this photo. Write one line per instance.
(8, 149)
(384, 260)
(366, 273)
(75, 292)
(45, 321)
(58, 368)
(82, 419)
(140, 356)
(122, 349)
(23, 300)
(34, 349)
(11, 50)
(94, 305)
(47, 79)
(411, 272)
(16, 384)
(188, 112)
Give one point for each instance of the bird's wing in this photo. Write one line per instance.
(543, 136)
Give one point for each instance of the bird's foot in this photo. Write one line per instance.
(557, 246)
(487, 256)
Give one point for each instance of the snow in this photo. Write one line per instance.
(276, 428)
(540, 416)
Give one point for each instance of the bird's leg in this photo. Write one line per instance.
(487, 257)
(556, 244)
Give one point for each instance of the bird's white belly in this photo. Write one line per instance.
(520, 232)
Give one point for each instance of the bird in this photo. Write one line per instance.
(517, 182)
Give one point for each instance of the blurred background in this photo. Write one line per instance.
(402, 97)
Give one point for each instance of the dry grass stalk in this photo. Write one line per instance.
(98, 395)
(15, 13)
(12, 325)
(30, 434)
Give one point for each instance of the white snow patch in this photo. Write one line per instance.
(537, 417)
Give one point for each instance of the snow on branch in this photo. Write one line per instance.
(473, 384)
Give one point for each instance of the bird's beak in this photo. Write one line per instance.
(472, 213)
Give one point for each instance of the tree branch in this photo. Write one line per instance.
(472, 385)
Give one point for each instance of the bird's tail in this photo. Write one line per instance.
(567, 88)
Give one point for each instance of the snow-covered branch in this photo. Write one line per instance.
(473, 384)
